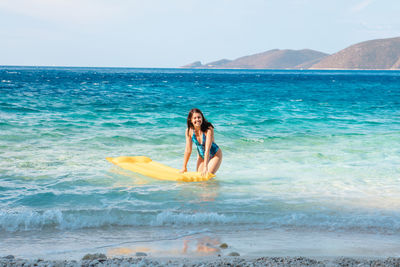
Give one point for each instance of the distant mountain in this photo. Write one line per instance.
(374, 54)
(196, 64)
(272, 59)
(396, 65)
(276, 59)
(218, 63)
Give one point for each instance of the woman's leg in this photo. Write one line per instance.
(200, 163)
(215, 162)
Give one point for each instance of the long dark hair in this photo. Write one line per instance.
(205, 125)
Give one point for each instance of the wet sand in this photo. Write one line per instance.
(205, 261)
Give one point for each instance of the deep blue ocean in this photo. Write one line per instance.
(304, 152)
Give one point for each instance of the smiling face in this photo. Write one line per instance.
(197, 120)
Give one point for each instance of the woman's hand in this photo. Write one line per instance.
(184, 169)
(204, 172)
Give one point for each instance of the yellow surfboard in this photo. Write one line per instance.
(147, 167)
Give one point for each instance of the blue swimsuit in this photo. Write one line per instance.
(201, 147)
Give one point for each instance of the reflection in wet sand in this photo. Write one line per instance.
(192, 246)
(115, 252)
(205, 245)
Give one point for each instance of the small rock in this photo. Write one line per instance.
(140, 254)
(96, 256)
(223, 245)
(9, 257)
(234, 254)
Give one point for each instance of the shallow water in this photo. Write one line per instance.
(303, 151)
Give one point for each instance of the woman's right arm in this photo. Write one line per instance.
(188, 150)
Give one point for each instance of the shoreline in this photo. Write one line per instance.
(102, 260)
(186, 243)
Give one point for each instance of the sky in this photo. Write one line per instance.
(172, 33)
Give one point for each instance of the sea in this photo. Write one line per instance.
(311, 162)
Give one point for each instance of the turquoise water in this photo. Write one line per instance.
(303, 151)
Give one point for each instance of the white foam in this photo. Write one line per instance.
(13, 221)
(176, 218)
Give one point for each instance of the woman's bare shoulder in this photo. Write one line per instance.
(210, 130)
(188, 132)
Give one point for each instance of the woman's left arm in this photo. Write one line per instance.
(209, 140)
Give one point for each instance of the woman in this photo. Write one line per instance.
(201, 132)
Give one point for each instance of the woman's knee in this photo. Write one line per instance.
(214, 164)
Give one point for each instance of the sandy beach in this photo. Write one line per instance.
(206, 261)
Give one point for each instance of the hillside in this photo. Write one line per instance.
(272, 59)
(374, 54)
(276, 59)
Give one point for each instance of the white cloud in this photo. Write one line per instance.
(361, 6)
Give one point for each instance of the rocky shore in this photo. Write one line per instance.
(102, 260)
